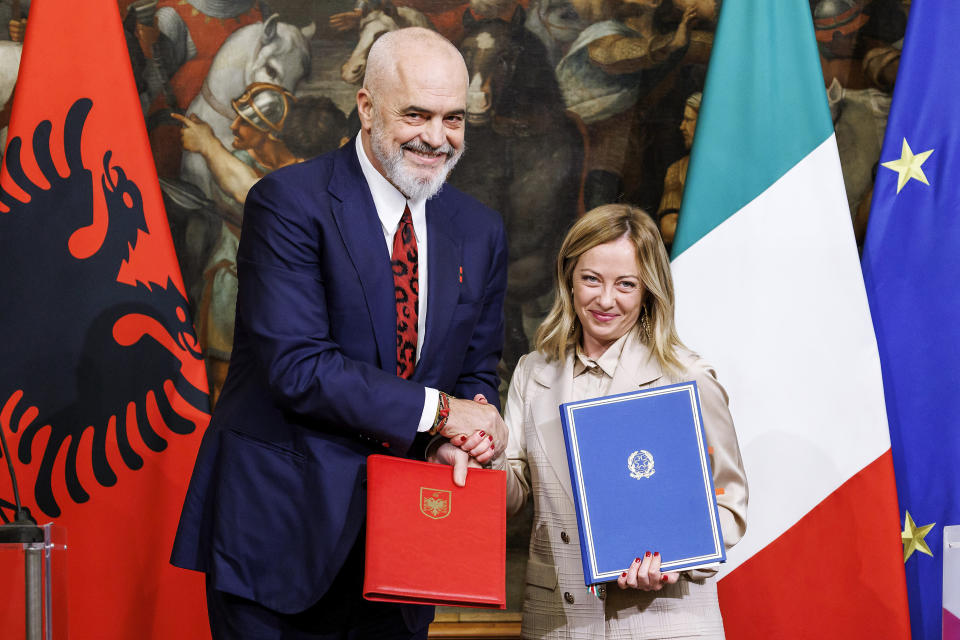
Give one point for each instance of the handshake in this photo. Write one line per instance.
(475, 434)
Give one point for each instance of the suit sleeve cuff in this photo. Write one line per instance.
(430, 403)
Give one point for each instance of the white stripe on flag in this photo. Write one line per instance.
(774, 298)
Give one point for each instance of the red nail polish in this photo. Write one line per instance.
(491, 438)
(636, 559)
(482, 433)
(463, 438)
(648, 554)
(623, 575)
(656, 553)
(664, 578)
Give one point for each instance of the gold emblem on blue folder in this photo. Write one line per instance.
(640, 464)
(434, 503)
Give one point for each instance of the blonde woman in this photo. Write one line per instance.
(611, 330)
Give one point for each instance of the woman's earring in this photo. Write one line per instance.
(645, 324)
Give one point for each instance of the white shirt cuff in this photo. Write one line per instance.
(430, 404)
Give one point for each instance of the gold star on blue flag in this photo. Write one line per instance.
(913, 537)
(908, 166)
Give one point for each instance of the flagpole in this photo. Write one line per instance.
(24, 530)
(32, 561)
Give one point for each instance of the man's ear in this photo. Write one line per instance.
(365, 108)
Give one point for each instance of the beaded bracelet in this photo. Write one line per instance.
(443, 412)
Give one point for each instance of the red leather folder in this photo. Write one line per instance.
(431, 542)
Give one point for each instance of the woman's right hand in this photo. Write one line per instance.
(644, 574)
(482, 420)
(480, 445)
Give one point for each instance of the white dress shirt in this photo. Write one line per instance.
(390, 204)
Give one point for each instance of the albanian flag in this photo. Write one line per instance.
(103, 395)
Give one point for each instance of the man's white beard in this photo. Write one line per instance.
(412, 186)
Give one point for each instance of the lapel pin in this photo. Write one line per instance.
(461, 274)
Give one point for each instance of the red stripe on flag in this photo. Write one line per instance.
(837, 573)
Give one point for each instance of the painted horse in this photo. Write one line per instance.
(525, 160)
(557, 23)
(270, 51)
(372, 26)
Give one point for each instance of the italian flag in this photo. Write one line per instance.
(769, 290)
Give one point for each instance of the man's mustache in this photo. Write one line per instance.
(420, 146)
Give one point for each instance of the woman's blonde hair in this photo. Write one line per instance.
(561, 331)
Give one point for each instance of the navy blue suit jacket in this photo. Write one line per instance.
(277, 497)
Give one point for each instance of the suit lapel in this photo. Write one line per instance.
(443, 291)
(637, 367)
(558, 378)
(359, 225)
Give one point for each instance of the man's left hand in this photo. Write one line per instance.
(460, 460)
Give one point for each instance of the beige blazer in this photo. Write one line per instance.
(556, 602)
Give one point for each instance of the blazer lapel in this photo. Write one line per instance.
(359, 225)
(558, 378)
(637, 367)
(443, 291)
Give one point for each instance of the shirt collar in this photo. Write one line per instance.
(386, 198)
(607, 362)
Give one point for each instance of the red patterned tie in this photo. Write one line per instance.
(407, 290)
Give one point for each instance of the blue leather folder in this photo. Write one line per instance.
(641, 480)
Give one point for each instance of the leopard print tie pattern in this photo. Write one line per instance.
(407, 291)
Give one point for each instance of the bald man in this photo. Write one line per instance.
(369, 316)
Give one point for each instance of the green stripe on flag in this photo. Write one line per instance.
(764, 109)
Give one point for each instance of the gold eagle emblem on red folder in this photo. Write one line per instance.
(434, 503)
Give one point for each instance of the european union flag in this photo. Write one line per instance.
(911, 265)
